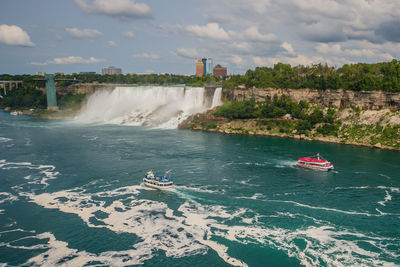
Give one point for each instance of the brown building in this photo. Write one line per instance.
(199, 68)
(219, 71)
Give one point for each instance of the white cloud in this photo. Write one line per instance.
(240, 46)
(69, 60)
(39, 63)
(84, 34)
(375, 52)
(265, 61)
(129, 34)
(329, 49)
(14, 35)
(125, 9)
(253, 34)
(112, 43)
(238, 60)
(187, 52)
(294, 61)
(288, 47)
(210, 31)
(147, 56)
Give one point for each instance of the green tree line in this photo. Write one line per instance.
(361, 76)
(379, 76)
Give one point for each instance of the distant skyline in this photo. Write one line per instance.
(167, 36)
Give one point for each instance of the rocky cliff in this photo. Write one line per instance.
(364, 100)
(88, 88)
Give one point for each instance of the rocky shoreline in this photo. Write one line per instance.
(360, 121)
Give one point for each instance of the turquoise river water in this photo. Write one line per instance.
(71, 194)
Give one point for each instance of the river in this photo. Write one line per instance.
(71, 193)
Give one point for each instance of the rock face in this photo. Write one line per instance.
(364, 100)
(86, 88)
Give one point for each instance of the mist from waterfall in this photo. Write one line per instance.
(154, 106)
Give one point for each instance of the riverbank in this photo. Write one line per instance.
(66, 114)
(375, 129)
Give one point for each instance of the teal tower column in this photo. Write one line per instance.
(51, 92)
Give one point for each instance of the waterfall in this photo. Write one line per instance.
(217, 98)
(154, 106)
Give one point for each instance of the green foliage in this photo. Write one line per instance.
(275, 109)
(328, 129)
(330, 115)
(70, 100)
(238, 110)
(317, 116)
(278, 107)
(360, 133)
(210, 125)
(23, 97)
(391, 132)
(380, 76)
(303, 126)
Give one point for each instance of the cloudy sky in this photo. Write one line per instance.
(145, 36)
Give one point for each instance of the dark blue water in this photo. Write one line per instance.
(71, 194)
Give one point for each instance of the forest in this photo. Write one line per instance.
(379, 76)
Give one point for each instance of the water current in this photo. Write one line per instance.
(71, 193)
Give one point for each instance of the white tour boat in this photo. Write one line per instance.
(315, 162)
(158, 182)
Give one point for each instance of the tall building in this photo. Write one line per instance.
(111, 71)
(200, 68)
(219, 71)
(204, 60)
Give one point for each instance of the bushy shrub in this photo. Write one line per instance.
(328, 129)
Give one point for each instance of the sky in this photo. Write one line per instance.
(158, 36)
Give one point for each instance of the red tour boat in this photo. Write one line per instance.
(315, 162)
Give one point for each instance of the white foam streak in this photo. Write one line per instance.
(154, 106)
(387, 198)
(7, 197)
(4, 139)
(47, 172)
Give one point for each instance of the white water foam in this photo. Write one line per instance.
(46, 172)
(147, 219)
(200, 189)
(7, 197)
(193, 230)
(388, 197)
(154, 106)
(384, 175)
(4, 139)
(286, 164)
(59, 254)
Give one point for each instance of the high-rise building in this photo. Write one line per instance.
(200, 68)
(219, 71)
(111, 71)
(204, 60)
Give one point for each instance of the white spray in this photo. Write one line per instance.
(155, 106)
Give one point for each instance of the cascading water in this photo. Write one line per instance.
(154, 106)
(217, 98)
